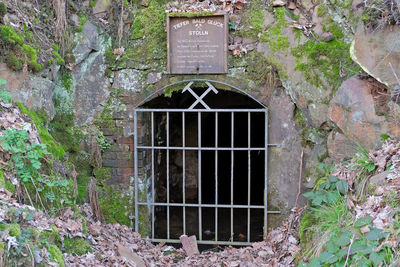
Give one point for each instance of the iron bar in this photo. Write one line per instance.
(266, 174)
(199, 167)
(136, 172)
(207, 148)
(184, 173)
(161, 90)
(167, 175)
(248, 173)
(197, 110)
(216, 176)
(195, 205)
(152, 176)
(205, 242)
(232, 166)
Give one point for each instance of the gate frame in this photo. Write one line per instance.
(152, 204)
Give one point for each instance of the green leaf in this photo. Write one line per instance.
(344, 239)
(315, 263)
(327, 257)
(363, 221)
(376, 258)
(2, 82)
(333, 178)
(375, 234)
(302, 264)
(342, 187)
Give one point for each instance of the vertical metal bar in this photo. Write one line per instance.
(266, 175)
(167, 151)
(152, 175)
(184, 172)
(232, 166)
(199, 167)
(216, 176)
(248, 173)
(135, 155)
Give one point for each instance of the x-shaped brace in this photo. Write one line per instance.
(199, 99)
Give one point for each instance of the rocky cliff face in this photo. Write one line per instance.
(328, 80)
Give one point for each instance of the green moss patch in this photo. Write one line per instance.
(332, 59)
(19, 50)
(253, 20)
(273, 34)
(77, 246)
(56, 151)
(56, 255)
(114, 207)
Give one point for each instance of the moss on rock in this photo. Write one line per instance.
(56, 255)
(77, 245)
(114, 207)
(332, 59)
(57, 151)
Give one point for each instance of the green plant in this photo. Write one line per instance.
(8, 35)
(4, 95)
(328, 188)
(363, 161)
(26, 161)
(56, 54)
(77, 245)
(92, 3)
(102, 141)
(3, 9)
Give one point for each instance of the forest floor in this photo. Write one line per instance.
(351, 219)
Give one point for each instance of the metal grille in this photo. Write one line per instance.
(203, 210)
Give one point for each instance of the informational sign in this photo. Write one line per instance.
(197, 45)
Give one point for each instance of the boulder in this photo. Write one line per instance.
(87, 41)
(352, 109)
(340, 147)
(91, 83)
(374, 52)
(101, 8)
(34, 92)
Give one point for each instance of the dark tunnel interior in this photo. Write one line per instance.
(215, 162)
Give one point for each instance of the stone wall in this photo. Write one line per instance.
(304, 63)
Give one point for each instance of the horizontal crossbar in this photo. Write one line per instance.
(206, 148)
(196, 110)
(205, 242)
(161, 204)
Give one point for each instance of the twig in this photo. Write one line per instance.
(300, 174)
(30, 251)
(394, 73)
(30, 200)
(348, 251)
(37, 194)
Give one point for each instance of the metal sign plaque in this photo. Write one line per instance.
(197, 45)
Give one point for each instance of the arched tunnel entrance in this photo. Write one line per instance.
(201, 154)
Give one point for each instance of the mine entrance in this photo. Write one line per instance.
(202, 156)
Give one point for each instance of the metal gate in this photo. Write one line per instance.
(216, 211)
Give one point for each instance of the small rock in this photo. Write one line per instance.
(327, 36)
(153, 77)
(379, 191)
(75, 19)
(189, 244)
(278, 3)
(364, 229)
(262, 254)
(292, 6)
